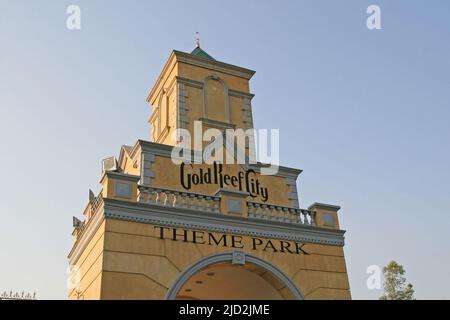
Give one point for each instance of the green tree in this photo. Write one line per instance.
(395, 287)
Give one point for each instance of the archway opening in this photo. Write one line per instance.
(233, 276)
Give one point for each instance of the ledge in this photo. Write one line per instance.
(214, 222)
(213, 65)
(164, 150)
(202, 220)
(324, 206)
(233, 193)
(119, 176)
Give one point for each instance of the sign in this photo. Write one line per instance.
(230, 241)
(245, 181)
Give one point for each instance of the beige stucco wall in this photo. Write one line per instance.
(90, 265)
(167, 175)
(167, 86)
(198, 74)
(137, 264)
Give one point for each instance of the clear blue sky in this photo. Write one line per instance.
(364, 113)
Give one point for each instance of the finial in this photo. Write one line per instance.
(197, 39)
(91, 195)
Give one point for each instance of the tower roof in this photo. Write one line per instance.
(201, 53)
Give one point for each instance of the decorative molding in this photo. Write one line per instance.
(217, 124)
(318, 205)
(213, 65)
(147, 174)
(162, 129)
(182, 118)
(328, 219)
(171, 87)
(199, 85)
(122, 190)
(284, 172)
(248, 116)
(163, 134)
(240, 94)
(190, 82)
(200, 62)
(163, 150)
(87, 234)
(168, 67)
(238, 257)
(225, 97)
(201, 220)
(119, 176)
(231, 257)
(293, 194)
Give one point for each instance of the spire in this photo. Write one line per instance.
(198, 51)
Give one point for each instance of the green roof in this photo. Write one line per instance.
(201, 53)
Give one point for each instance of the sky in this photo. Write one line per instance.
(364, 113)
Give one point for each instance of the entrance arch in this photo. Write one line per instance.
(233, 275)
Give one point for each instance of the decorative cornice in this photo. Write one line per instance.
(163, 150)
(213, 65)
(199, 85)
(166, 151)
(324, 206)
(190, 82)
(240, 94)
(216, 124)
(201, 220)
(159, 149)
(119, 176)
(284, 172)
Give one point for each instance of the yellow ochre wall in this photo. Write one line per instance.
(90, 265)
(167, 175)
(137, 264)
(167, 86)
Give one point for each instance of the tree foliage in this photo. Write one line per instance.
(395, 287)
